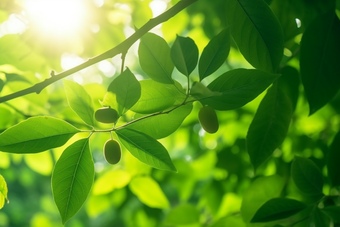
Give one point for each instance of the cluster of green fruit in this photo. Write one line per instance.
(112, 150)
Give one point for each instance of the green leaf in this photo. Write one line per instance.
(237, 88)
(146, 149)
(72, 178)
(289, 82)
(321, 219)
(183, 214)
(126, 89)
(80, 101)
(269, 126)
(3, 191)
(333, 161)
(319, 60)
(200, 91)
(149, 192)
(333, 212)
(36, 134)
(184, 54)
(278, 208)
(154, 58)
(2, 84)
(157, 97)
(307, 176)
(260, 191)
(162, 125)
(214, 54)
(257, 33)
(229, 220)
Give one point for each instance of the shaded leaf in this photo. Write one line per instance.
(333, 212)
(184, 54)
(237, 88)
(278, 208)
(214, 54)
(72, 178)
(146, 149)
(269, 126)
(320, 219)
(36, 134)
(183, 214)
(3, 191)
(289, 82)
(154, 58)
(126, 89)
(80, 101)
(257, 32)
(319, 60)
(157, 97)
(149, 192)
(2, 84)
(333, 161)
(162, 125)
(258, 193)
(307, 176)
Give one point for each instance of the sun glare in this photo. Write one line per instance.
(56, 17)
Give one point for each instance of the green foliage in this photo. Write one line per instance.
(35, 135)
(319, 64)
(154, 58)
(257, 32)
(72, 178)
(184, 54)
(80, 101)
(278, 208)
(241, 61)
(3, 191)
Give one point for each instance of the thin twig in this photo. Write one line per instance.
(119, 49)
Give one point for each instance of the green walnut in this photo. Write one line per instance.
(208, 119)
(112, 152)
(106, 115)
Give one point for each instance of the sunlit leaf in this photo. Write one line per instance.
(269, 126)
(307, 176)
(126, 89)
(72, 178)
(162, 125)
(146, 149)
(200, 91)
(214, 54)
(157, 97)
(80, 101)
(257, 32)
(238, 87)
(154, 58)
(3, 191)
(278, 208)
(111, 180)
(319, 60)
(183, 214)
(36, 134)
(260, 191)
(333, 161)
(184, 54)
(149, 192)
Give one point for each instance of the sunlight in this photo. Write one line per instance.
(56, 17)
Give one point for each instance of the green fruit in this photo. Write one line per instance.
(112, 152)
(208, 119)
(106, 115)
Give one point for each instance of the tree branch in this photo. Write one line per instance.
(119, 49)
